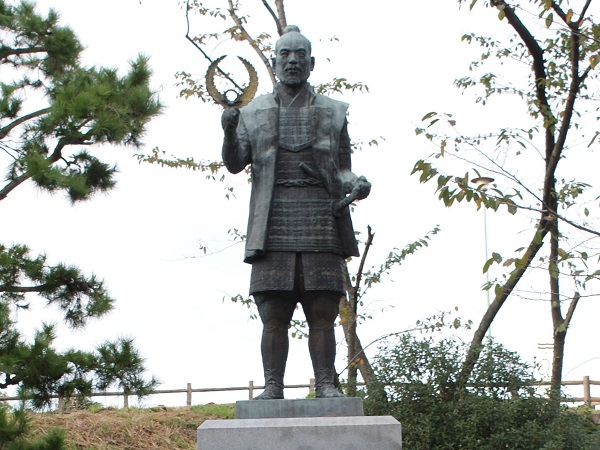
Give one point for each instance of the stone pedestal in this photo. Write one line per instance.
(302, 424)
(304, 433)
(301, 407)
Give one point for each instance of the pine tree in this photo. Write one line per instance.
(52, 111)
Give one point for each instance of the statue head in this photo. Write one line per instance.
(293, 61)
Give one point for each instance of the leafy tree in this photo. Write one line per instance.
(51, 109)
(498, 410)
(548, 64)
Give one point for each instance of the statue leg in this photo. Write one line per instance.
(276, 310)
(321, 309)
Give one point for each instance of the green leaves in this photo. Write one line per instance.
(396, 258)
(496, 258)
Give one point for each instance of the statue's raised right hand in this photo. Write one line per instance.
(230, 119)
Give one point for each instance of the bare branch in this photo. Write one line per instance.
(187, 36)
(361, 267)
(539, 70)
(559, 11)
(554, 156)
(571, 310)
(475, 347)
(584, 10)
(251, 41)
(281, 13)
(275, 18)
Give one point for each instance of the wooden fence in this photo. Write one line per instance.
(586, 399)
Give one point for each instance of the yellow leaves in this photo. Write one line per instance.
(569, 16)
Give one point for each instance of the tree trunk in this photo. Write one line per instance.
(503, 293)
(358, 358)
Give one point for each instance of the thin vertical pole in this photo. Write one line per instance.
(587, 395)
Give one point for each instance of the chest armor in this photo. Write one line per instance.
(301, 219)
(296, 128)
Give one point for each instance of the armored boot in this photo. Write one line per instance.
(273, 385)
(274, 349)
(324, 384)
(321, 343)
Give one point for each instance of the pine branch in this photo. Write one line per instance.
(8, 128)
(55, 156)
(5, 52)
(23, 289)
(10, 381)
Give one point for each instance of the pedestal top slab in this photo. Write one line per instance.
(307, 433)
(302, 407)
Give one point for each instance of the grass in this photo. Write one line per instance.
(134, 429)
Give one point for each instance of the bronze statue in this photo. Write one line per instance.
(299, 228)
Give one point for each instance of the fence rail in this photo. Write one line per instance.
(586, 399)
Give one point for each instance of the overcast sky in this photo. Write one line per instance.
(143, 238)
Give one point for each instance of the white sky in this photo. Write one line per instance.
(143, 237)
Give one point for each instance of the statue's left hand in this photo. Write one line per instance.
(362, 188)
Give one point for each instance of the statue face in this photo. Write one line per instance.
(293, 62)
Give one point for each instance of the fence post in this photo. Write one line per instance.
(311, 386)
(250, 390)
(189, 395)
(587, 395)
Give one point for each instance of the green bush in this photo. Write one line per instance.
(498, 409)
(14, 428)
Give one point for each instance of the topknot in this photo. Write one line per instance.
(291, 29)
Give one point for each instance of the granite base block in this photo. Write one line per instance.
(307, 433)
(302, 407)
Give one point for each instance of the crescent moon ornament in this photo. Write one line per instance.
(242, 98)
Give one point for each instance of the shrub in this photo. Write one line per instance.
(498, 409)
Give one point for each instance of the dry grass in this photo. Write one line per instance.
(135, 429)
